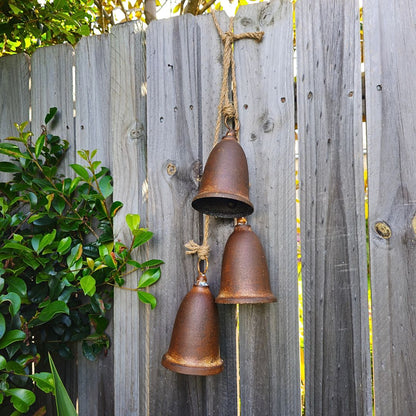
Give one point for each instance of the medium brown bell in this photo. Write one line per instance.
(224, 185)
(244, 274)
(194, 347)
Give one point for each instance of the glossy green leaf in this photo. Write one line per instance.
(152, 263)
(88, 285)
(64, 245)
(51, 114)
(15, 9)
(133, 221)
(81, 171)
(3, 362)
(44, 381)
(15, 367)
(46, 240)
(105, 186)
(40, 142)
(1, 283)
(14, 300)
(11, 150)
(17, 246)
(17, 285)
(100, 323)
(115, 207)
(75, 255)
(64, 406)
(149, 277)
(141, 237)
(147, 298)
(22, 399)
(33, 199)
(11, 336)
(9, 167)
(134, 263)
(35, 241)
(2, 325)
(52, 310)
(17, 237)
(58, 204)
(109, 261)
(74, 184)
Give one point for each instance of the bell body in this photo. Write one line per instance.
(224, 189)
(194, 347)
(244, 274)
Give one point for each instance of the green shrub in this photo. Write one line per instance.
(58, 260)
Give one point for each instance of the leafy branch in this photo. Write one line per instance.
(58, 261)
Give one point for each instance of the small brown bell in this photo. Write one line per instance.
(224, 189)
(244, 274)
(194, 347)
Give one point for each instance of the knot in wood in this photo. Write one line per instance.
(383, 230)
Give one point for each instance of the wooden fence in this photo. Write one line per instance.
(148, 101)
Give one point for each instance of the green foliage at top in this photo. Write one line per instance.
(58, 260)
(28, 24)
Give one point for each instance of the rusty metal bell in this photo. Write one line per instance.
(194, 347)
(224, 189)
(244, 274)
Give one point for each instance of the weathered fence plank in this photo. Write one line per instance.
(221, 399)
(15, 102)
(174, 87)
(269, 336)
(390, 41)
(15, 93)
(128, 127)
(52, 86)
(92, 127)
(333, 239)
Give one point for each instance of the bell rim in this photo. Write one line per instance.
(223, 299)
(248, 206)
(168, 363)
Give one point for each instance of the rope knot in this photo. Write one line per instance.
(228, 111)
(201, 250)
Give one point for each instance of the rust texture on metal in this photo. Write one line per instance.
(244, 274)
(224, 189)
(195, 347)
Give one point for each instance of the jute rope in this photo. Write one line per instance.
(226, 110)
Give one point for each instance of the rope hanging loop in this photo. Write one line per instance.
(202, 250)
(228, 111)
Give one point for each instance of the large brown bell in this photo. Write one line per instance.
(224, 185)
(194, 347)
(244, 274)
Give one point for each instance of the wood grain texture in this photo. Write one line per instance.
(390, 46)
(333, 239)
(92, 92)
(92, 126)
(174, 88)
(269, 337)
(14, 87)
(221, 399)
(53, 86)
(128, 126)
(15, 102)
